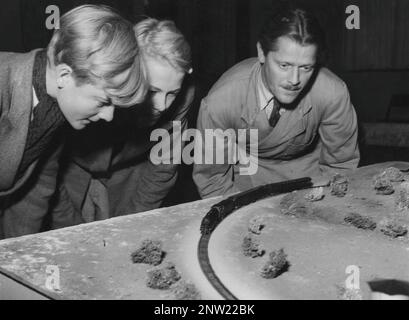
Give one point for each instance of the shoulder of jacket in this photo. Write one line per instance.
(233, 85)
(239, 74)
(329, 82)
(328, 87)
(17, 59)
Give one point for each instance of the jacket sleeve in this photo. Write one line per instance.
(156, 180)
(212, 178)
(339, 134)
(158, 177)
(26, 209)
(66, 205)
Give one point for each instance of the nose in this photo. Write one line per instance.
(295, 77)
(160, 103)
(106, 113)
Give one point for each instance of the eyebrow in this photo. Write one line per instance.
(105, 98)
(171, 91)
(301, 65)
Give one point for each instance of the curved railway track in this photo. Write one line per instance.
(221, 210)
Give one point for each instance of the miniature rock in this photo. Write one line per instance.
(316, 194)
(256, 224)
(293, 204)
(276, 265)
(402, 196)
(339, 185)
(251, 247)
(393, 228)
(300, 209)
(359, 221)
(383, 185)
(150, 252)
(288, 200)
(394, 174)
(183, 290)
(163, 278)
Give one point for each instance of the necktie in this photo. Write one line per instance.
(275, 114)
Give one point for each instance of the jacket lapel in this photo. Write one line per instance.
(292, 123)
(15, 118)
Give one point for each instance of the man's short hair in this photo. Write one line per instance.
(100, 47)
(296, 24)
(162, 40)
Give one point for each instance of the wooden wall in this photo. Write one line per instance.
(22, 22)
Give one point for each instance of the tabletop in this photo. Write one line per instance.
(93, 261)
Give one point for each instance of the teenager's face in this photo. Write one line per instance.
(287, 70)
(81, 104)
(165, 83)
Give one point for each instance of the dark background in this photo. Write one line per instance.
(373, 61)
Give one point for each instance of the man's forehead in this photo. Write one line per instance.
(287, 48)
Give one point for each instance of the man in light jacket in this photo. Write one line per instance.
(301, 111)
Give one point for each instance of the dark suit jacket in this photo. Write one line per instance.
(25, 199)
(16, 100)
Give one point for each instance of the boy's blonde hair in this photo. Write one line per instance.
(100, 46)
(161, 39)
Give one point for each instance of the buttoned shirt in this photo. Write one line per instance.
(266, 97)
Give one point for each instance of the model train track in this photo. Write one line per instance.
(221, 210)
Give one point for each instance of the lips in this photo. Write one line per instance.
(85, 122)
(92, 119)
(291, 92)
(296, 89)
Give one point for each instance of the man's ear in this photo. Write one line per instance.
(64, 75)
(260, 54)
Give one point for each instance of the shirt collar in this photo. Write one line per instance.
(265, 95)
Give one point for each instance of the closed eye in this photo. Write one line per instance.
(284, 65)
(307, 68)
(104, 103)
(173, 93)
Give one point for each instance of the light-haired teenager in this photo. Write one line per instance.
(110, 172)
(90, 67)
